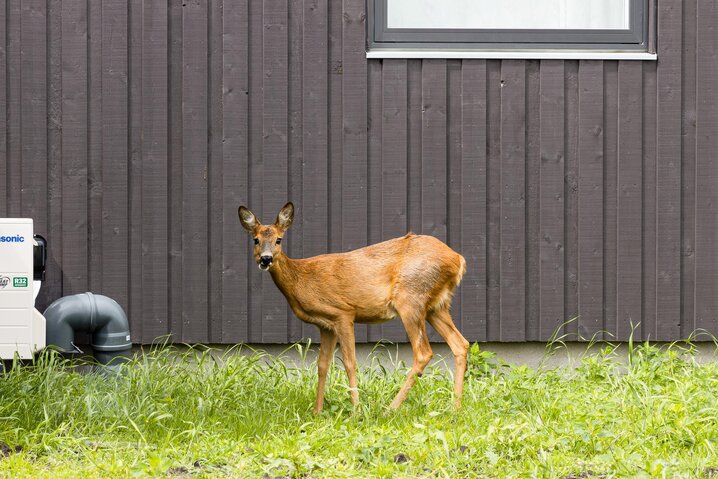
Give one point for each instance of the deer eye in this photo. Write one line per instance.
(256, 240)
(279, 240)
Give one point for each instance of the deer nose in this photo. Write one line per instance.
(265, 260)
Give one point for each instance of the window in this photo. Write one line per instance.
(509, 29)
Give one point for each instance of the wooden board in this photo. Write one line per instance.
(689, 122)
(552, 200)
(571, 172)
(274, 147)
(473, 198)
(13, 166)
(648, 227)
(354, 195)
(175, 169)
(295, 152)
(453, 176)
(74, 148)
(94, 146)
(493, 198)
(630, 194)
(153, 189)
(668, 172)
(590, 200)
(433, 149)
(215, 173)
(236, 253)
(611, 138)
(3, 114)
(706, 221)
(533, 205)
(33, 119)
(314, 205)
(114, 153)
(512, 187)
(393, 166)
(374, 162)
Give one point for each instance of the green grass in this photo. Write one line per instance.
(192, 414)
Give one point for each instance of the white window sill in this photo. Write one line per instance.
(513, 54)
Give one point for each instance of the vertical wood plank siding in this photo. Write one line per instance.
(583, 194)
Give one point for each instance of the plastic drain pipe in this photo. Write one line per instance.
(89, 313)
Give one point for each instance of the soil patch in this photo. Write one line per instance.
(178, 472)
(584, 475)
(6, 450)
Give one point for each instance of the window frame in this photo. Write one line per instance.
(384, 42)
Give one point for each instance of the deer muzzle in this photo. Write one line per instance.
(265, 261)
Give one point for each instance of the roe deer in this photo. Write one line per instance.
(412, 277)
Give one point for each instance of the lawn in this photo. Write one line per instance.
(196, 414)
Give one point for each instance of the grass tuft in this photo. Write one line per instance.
(199, 413)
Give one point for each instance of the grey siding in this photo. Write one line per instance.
(132, 131)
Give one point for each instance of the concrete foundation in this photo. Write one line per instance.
(533, 354)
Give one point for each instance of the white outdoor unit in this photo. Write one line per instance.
(22, 327)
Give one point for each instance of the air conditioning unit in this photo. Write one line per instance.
(24, 330)
(22, 327)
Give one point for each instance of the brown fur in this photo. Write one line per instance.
(412, 277)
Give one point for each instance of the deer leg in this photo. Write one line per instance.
(416, 330)
(442, 323)
(346, 343)
(326, 352)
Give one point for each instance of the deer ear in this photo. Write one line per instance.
(285, 216)
(247, 218)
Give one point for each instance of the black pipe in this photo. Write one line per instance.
(91, 313)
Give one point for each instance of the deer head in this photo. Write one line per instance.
(267, 239)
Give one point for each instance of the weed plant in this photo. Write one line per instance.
(196, 413)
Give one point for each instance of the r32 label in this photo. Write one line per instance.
(20, 282)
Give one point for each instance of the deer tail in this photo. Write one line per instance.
(462, 270)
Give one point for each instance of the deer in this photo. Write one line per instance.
(412, 277)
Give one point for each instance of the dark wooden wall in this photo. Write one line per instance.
(132, 131)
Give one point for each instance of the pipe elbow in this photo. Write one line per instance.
(91, 313)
